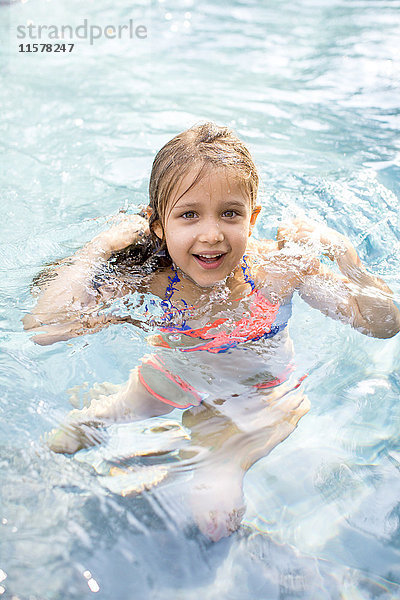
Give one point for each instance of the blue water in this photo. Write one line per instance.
(312, 87)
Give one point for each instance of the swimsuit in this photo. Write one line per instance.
(265, 321)
(157, 371)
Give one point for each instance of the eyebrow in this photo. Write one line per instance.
(194, 203)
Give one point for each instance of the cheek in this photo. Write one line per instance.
(241, 236)
(241, 242)
(178, 234)
(178, 240)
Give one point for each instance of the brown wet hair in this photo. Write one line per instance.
(203, 147)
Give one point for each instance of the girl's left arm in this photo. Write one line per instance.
(356, 296)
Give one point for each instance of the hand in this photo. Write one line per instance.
(71, 438)
(316, 237)
(126, 230)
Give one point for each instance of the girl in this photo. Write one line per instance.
(222, 351)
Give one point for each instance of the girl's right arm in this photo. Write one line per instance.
(68, 301)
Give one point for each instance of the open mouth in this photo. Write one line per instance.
(209, 261)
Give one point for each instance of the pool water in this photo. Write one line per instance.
(312, 87)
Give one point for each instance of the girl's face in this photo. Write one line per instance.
(207, 227)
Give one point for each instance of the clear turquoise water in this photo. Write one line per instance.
(312, 87)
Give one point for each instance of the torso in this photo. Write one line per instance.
(274, 278)
(253, 304)
(244, 325)
(253, 361)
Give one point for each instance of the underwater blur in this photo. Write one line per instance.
(311, 87)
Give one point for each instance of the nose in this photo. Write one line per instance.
(211, 233)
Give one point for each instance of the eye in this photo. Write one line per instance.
(230, 214)
(190, 214)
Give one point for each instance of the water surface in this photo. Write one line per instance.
(312, 87)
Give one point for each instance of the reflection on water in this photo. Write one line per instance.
(312, 88)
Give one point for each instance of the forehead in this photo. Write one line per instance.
(216, 184)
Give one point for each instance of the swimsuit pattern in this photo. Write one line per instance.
(265, 321)
(260, 324)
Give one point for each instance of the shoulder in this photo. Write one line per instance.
(262, 246)
(276, 269)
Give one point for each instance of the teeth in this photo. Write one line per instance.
(209, 255)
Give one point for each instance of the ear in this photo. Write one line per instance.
(158, 229)
(253, 218)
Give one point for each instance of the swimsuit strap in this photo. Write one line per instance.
(167, 305)
(247, 274)
(170, 289)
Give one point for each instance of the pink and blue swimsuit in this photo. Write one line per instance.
(265, 321)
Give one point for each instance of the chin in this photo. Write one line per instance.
(208, 278)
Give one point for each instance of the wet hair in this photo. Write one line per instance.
(202, 147)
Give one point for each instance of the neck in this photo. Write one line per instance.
(229, 281)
